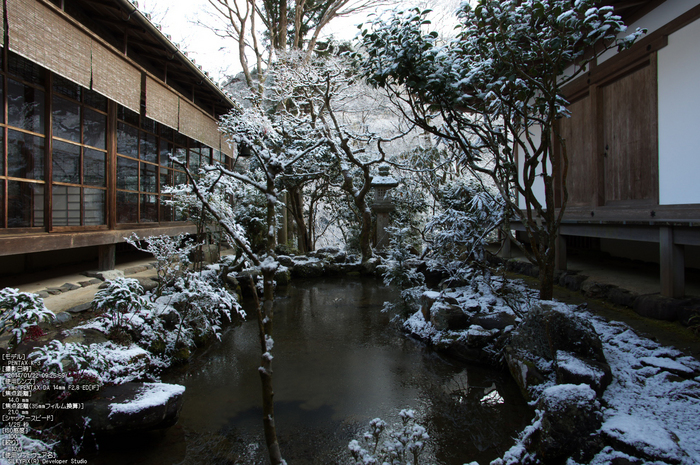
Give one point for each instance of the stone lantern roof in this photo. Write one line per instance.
(384, 179)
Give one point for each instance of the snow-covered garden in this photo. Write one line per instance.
(446, 117)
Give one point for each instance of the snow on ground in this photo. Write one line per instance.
(647, 404)
(653, 403)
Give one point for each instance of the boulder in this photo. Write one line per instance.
(285, 260)
(132, 407)
(433, 278)
(595, 289)
(63, 317)
(80, 308)
(427, 299)
(328, 250)
(107, 275)
(85, 336)
(570, 417)
(283, 275)
(307, 269)
(148, 284)
(70, 287)
(527, 371)
(448, 317)
(658, 307)
(547, 331)
(370, 266)
(496, 320)
(573, 370)
(648, 439)
(572, 281)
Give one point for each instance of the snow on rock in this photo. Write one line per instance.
(150, 395)
(645, 435)
(269, 265)
(572, 369)
(581, 395)
(417, 326)
(667, 364)
(132, 407)
(648, 395)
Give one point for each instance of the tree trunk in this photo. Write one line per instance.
(265, 370)
(546, 275)
(296, 203)
(365, 231)
(265, 329)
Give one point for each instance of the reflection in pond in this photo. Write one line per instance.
(339, 363)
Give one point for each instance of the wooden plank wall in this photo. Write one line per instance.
(630, 138)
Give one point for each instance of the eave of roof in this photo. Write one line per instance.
(116, 19)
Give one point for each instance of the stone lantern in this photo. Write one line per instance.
(382, 206)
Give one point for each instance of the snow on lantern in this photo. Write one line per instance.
(382, 205)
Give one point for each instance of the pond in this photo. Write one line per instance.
(338, 363)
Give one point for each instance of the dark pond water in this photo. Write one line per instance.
(339, 362)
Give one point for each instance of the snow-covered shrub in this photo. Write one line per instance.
(471, 214)
(120, 301)
(20, 312)
(57, 357)
(82, 368)
(397, 271)
(202, 304)
(172, 256)
(27, 449)
(402, 446)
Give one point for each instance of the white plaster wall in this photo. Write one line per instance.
(679, 117)
(538, 186)
(658, 17)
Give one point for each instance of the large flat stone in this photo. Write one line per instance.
(107, 275)
(133, 407)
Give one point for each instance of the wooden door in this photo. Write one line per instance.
(630, 138)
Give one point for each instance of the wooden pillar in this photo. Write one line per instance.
(506, 248)
(672, 264)
(106, 257)
(560, 253)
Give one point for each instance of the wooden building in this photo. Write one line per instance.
(94, 100)
(633, 144)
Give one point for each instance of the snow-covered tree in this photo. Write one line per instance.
(261, 30)
(494, 92)
(276, 147)
(345, 114)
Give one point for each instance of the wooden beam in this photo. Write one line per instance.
(43, 242)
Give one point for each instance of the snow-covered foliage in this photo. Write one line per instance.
(105, 363)
(192, 308)
(121, 299)
(172, 255)
(31, 450)
(393, 446)
(57, 357)
(495, 90)
(470, 215)
(202, 305)
(19, 312)
(397, 270)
